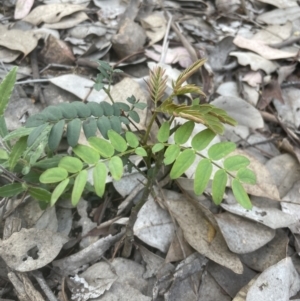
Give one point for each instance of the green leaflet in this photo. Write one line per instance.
(48, 162)
(36, 120)
(182, 163)
(236, 162)
(40, 194)
(240, 194)
(201, 140)
(36, 134)
(184, 132)
(54, 113)
(86, 154)
(171, 154)
(73, 131)
(3, 128)
(53, 175)
(115, 166)
(78, 187)
(6, 88)
(134, 116)
(140, 151)
(89, 127)
(18, 133)
(102, 146)
(58, 191)
(115, 123)
(108, 110)
(95, 108)
(17, 152)
(10, 190)
(202, 175)
(104, 125)
(218, 186)
(56, 135)
(3, 154)
(220, 150)
(132, 139)
(83, 111)
(117, 141)
(164, 132)
(99, 177)
(157, 147)
(70, 164)
(68, 111)
(246, 175)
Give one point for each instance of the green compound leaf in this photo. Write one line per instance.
(6, 88)
(134, 116)
(140, 151)
(202, 175)
(182, 163)
(70, 164)
(246, 175)
(58, 191)
(35, 134)
(83, 111)
(73, 131)
(184, 132)
(132, 139)
(115, 166)
(56, 135)
(102, 146)
(89, 127)
(78, 187)
(96, 109)
(86, 154)
(104, 126)
(240, 194)
(236, 162)
(11, 190)
(17, 152)
(201, 140)
(53, 175)
(68, 111)
(164, 132)
(40, 194)
(171, 154)
(157, 147)
(99, 177)
(218, 186)
(117, 141)
(220, 150)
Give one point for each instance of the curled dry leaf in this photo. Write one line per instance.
(44, 245)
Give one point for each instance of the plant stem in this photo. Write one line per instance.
(144, 140)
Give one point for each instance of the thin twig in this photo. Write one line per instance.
(44, 286)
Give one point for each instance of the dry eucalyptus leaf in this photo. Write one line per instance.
(279, 282)
(51, 13)
(250, 116)
(251, 94)
(18, 40)
(280, 15)
(82, 31)
(281, 3)
(8, 55)
(22, 8)
(241, 235)
(31, 249)
(253, 79)
(270, 217)
(199, 232)
(79, 86)
(154, 226)
(228, 89)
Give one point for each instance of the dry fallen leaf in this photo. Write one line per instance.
(280, 15)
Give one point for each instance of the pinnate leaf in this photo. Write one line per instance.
(53, 175)
(182, 163)
(220, 150)
(240, 194)
(184, 132)
(246, 175)
(164, 132)
(115, 166)
(201, 140)
(78, 187)
(236, 162)
(117, 141)
(99, 177)
(86, 154)
(58, 191)
(218, 186)
(202, 175)
(70, 164)
(102, 146)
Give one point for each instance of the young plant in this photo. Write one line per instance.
(32, 166)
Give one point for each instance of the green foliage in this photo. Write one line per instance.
(33, 157)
